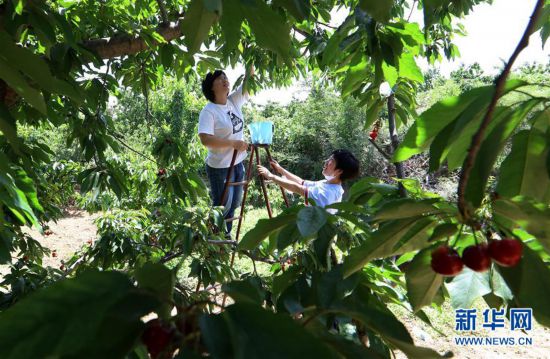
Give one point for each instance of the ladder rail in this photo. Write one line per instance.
(228, 177)
(264, 189)
(245, 193)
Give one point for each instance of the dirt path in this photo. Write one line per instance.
(68, 235)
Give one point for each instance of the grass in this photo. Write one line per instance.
(243, 264)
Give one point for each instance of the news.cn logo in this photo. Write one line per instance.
(493, 319)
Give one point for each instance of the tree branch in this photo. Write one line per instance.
(326, 25)
(384, 154)
(395, 143)
(412, 9)
(301, 32)
(120, 45)
(163, 13)
(499, 88)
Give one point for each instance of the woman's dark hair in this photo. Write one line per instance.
(346, 162)
(207, 84)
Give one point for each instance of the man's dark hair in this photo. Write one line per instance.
(207, 84)
(346, 162)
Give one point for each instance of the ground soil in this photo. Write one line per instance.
(73, 231)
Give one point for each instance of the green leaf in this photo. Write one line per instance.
(422, 282)
(7, 126)
(19, 7)
(524, 172)
(499, 286)
(529, 280)
(356, 75)
(416, 237)
(231, 22)
(532, 216)
(409, 32)
(288, 236)
(406, 207)
(35, 68)
(256, 332)
(457, 136)
(432, 121)
(408, 69)
(466, 287)
(216, 335)
(365, 307)
(285, 280)
(332, 50)
(97, 314)
(248, 291)
(345, 347)
(20, 85)
(380, 10)
(444, 230)
(16, 200)
(197, 23)
(160, 280)
(372, 112)
(300, 9)
(321, 245)
(270, 29)
(390, 73)
(506, 121)
(310, 220)
(166, 53)
(26, 185)
(379, 245)
(263, 229)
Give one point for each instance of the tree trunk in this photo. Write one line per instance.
(395, 143)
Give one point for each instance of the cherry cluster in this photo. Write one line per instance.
(374, 132)
(157, 337)
(505, 252)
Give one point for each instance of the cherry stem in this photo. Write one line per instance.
(475, 237)
(459, 234)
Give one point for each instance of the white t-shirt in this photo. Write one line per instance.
(224, 121)
(323, 193)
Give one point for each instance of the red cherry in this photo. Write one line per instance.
(161, 172)
(477, 258)
(506, 252)
(156, 337)
(373, 134)
(446, 261)
(54, 253)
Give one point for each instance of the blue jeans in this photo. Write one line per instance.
(216, 177)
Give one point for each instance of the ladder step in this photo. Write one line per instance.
(232, 219)
(238, 183)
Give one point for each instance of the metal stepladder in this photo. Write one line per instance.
(254, 152)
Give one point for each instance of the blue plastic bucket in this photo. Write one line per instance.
(261, 133)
